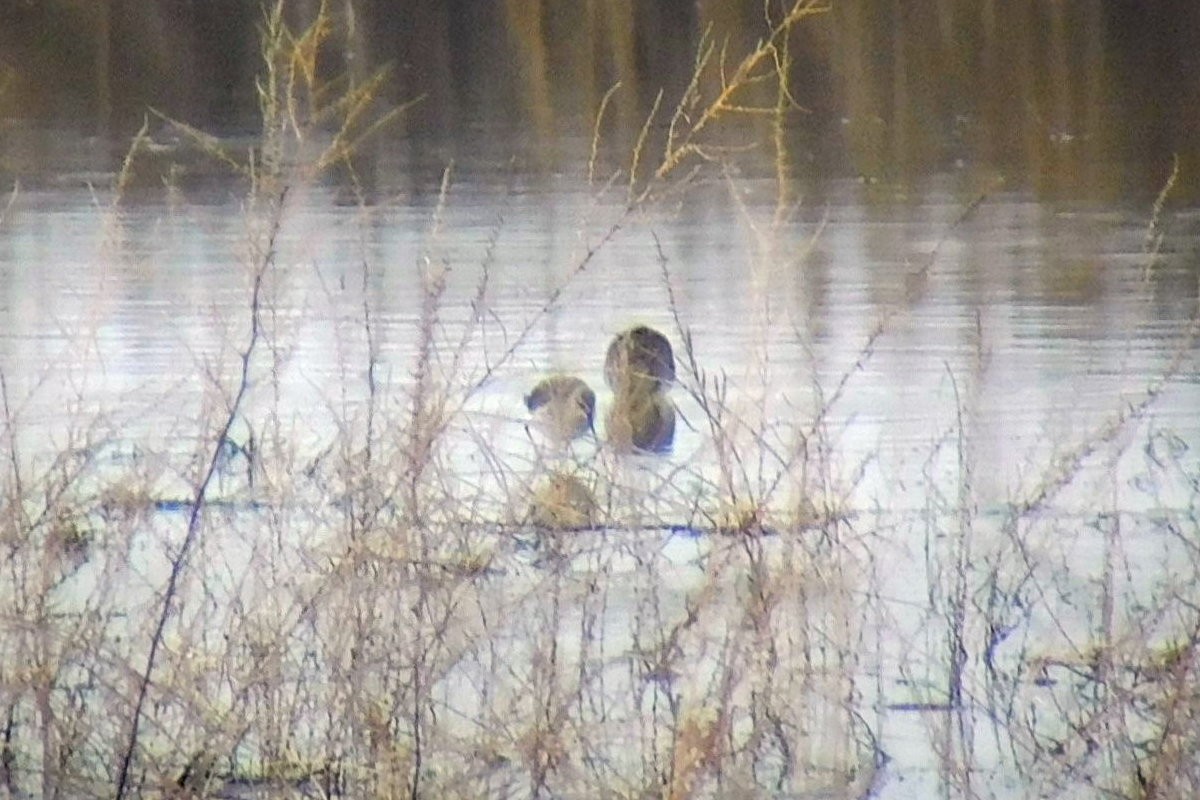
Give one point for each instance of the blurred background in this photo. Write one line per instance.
(1083, 97)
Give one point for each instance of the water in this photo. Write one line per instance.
(1047, 319)
(970, 354)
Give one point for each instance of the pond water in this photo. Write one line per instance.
(1003, 341)
(1037, 321)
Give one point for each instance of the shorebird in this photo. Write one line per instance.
(641, 420)
(562, 407)
(639, 359)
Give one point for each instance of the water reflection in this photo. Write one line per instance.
(1077, 100)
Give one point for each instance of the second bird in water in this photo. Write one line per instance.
(639, 360)
(640, 368)
(641, 421)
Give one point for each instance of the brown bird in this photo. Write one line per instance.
(641, 420)
(639, 360)
(562, 407)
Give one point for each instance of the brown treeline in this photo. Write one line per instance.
(1055, 91)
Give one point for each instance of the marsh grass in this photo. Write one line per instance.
(368, 618)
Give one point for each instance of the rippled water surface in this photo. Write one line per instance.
(1033, 322)
(926, 352)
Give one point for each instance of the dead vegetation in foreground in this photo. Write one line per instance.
(370, 621)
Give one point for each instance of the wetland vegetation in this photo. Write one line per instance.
(237, 576)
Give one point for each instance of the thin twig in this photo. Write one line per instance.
(180, 560)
